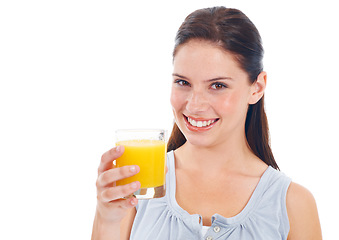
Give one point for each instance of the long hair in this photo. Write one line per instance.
(235, 33)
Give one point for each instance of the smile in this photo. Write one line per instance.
(200, 123)
(195, 124)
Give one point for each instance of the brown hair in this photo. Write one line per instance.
(234, 32)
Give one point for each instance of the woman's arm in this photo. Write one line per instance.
(103, 230)
(126, 224)
(303, 214)
(114, 215)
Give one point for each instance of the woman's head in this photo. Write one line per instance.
(229, 33)
(210, 94)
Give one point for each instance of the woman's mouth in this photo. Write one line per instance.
(199, 124)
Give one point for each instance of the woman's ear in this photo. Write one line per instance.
(258, 88)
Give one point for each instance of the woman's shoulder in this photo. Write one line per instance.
(299, 199)
(297, 194)
(302, 213)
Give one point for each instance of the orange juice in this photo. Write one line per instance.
(150, 156)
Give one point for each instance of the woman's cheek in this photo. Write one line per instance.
(234, 106)
(177, 99)
(225, 104)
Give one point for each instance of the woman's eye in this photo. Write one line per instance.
(218, 86)
(182, 82)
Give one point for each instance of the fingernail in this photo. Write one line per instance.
(133, 202)
(118, 148)
(132, 169)
(134, 185)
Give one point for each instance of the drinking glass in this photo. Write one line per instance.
(147, 149)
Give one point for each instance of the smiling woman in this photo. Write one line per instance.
(222, 181)
(245, 51)
(198, 98)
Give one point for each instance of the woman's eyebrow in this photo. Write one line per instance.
(178, 75)
(208, 80)
(219, 78)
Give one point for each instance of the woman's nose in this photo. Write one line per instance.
(197, 102)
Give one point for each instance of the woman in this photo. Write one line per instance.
(222, 180)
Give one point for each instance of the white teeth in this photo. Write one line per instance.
(193, 122)
(200, 123)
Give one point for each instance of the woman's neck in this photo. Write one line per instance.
(231, 156)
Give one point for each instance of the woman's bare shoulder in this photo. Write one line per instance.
(302, 213)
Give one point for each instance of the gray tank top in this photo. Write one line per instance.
(264, 216)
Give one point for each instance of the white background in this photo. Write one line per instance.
(72, 72)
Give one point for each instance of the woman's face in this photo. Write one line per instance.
(210, 94)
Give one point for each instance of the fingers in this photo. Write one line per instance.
(108, 157)
(115, 193)
(131, 202)
(124, 203)
(114, 174)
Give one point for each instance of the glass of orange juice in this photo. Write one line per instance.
(147, 149)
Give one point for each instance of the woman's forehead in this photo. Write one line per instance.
(206, 60)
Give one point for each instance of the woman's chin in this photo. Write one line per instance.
(198, 142)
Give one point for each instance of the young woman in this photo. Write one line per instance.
(222, 180)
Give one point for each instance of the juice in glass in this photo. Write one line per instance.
(149, 153)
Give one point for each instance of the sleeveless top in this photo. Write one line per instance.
(264, 216)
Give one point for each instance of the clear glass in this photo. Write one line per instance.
(147, 149)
